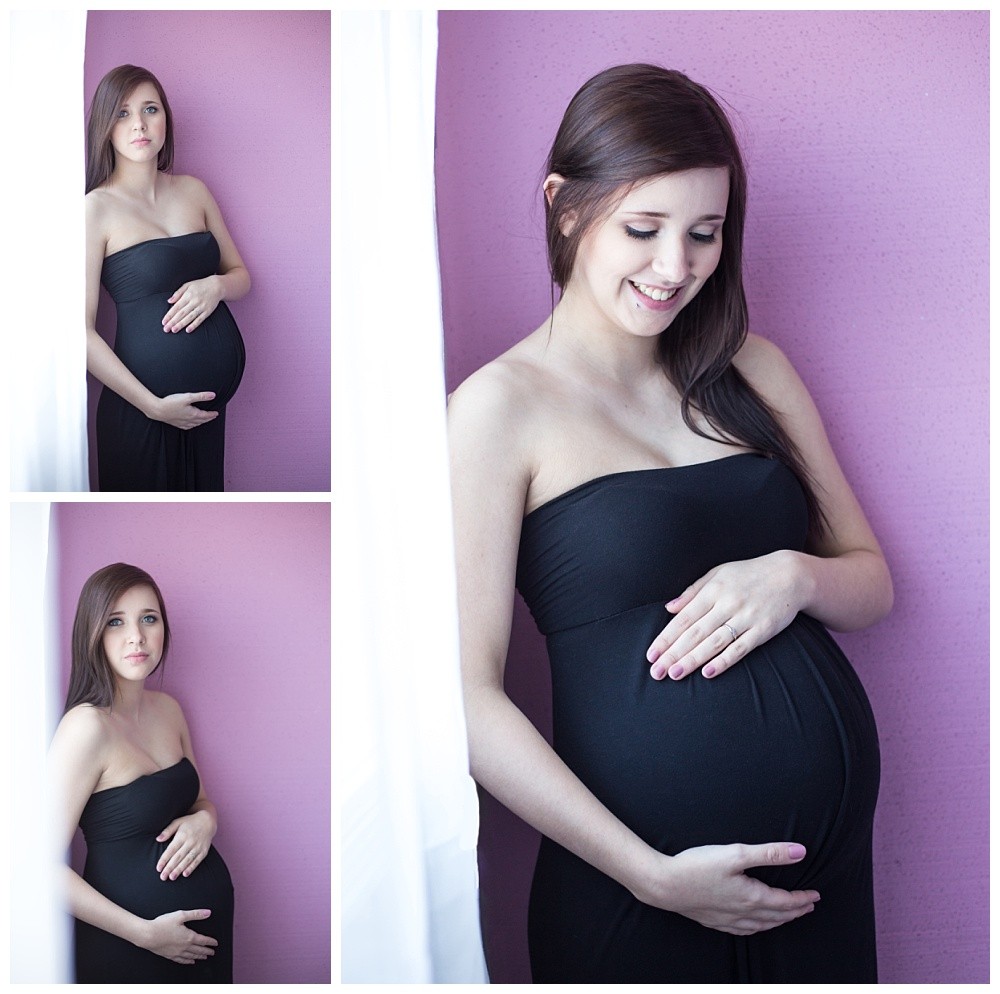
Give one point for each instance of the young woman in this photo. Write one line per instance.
(155, 902)
(707, 804)
(159, 245)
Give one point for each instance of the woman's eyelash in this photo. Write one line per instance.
(644, 235)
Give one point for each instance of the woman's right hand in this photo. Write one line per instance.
(168, 936)
(708, 885)
(178, 410)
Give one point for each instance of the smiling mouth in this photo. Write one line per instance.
(654, 293)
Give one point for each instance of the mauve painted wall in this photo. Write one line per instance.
(866, 135)
(247, 590)
(250, 94)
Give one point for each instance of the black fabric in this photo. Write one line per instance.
(134, 452)
(783, 746)
(120, 826)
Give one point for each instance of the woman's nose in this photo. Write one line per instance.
(672, 261)
(135, 635)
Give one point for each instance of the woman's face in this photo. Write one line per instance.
(140, 129)
(133, 634)
(637, 269)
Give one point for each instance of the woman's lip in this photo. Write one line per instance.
(142, 141)
(138, 655)
(656, 305)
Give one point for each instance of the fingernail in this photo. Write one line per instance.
(658, 672)
(795, 851)
(652, 655)
(677, 671)
(709, 671)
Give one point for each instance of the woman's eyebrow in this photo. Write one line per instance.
(663, 214)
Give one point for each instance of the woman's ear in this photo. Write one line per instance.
(552, 183)
(550, 187)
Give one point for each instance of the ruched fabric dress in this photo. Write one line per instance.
(133, 451)
(782, 746)
(120, 826)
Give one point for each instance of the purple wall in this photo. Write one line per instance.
(247, 588)
(866, 136)
(250, 93)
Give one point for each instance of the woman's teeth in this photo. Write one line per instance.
(653, 293)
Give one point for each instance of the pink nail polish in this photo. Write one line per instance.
(795, 851)
(652, 655)
(709, 671)
(677, 671)
(658, 672)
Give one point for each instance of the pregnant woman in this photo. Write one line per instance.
(658, 485)
(155, 903)
(159, 245)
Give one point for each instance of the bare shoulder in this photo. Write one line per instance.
(492, 430)
(500, 392)
(166, 708)
(98, 208)
(768, 370)
(84, 732)
(191, 189)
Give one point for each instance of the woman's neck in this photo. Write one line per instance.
(139, 180)
(129, 698)
(611, 352)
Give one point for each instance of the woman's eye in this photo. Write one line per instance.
(641, 233)
(703, 237)
(114, 622)
(151, 110)
(150, 619)
(122, 113)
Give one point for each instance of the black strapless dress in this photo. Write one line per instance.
(782, 746)
(134, 452)
(120, 826)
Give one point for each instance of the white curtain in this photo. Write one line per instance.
(45, 345)
(409, 907)
(39, 927)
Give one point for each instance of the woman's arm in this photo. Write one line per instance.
(102, 362)
(842, 581)
(194, 301)
(76, 761)
(490, 450)
(191, 835)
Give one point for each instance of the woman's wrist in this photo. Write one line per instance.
(138, 931)
(801, 578)
(646, 876)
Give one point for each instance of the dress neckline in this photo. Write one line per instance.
(144, 776)
(607, 477)
(149, 241)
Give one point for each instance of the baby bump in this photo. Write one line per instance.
(209, 358)
(781, 746)
(125, 872)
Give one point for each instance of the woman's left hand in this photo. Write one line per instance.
(192, 303)
(729, 611)
(192, 838)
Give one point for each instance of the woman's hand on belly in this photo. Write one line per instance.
(169, 937)
(191, 838)
(732, 609)
(192, 303)
(708, 885)
(178, 410)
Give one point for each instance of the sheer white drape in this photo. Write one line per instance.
(409, 815)
(44, 291)
(39, 928)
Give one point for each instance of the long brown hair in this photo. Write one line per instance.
(111, 92)
(91, 678)
(629, 124)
